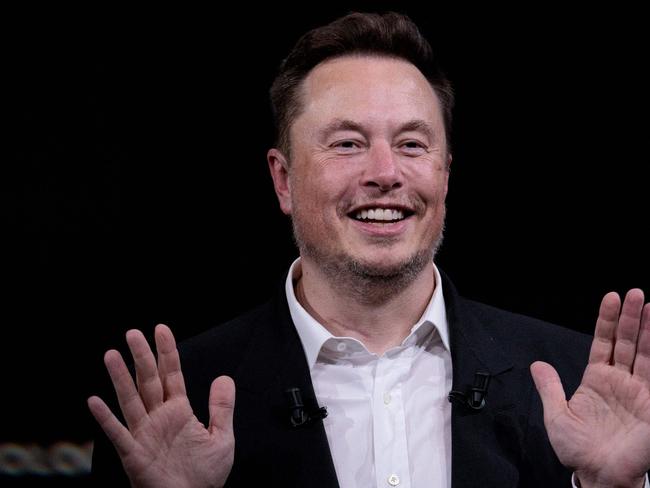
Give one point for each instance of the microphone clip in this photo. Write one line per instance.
(475, 398)
(300, 416)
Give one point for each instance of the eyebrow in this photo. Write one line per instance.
(418, 125)
(340, 124)
(414, 125)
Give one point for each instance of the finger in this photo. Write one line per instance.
(627, 331)
(642, 359)
(146, 371)
(602, 346)
(113, 428)
(169, 363)
(222, 404)
(550, 390)
(127, 395)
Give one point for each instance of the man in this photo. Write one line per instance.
(368, 327)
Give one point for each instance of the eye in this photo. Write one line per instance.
(413, 148)
(346, 145)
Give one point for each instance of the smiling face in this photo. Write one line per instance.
(367, 180)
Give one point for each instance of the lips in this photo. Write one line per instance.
(384, 229)
(380, 214)
(381, 220)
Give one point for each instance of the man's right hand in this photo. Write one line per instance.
(163, 443)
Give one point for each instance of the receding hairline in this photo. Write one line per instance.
(300, 91)
(389, 35)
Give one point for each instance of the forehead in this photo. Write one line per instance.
(368, 88)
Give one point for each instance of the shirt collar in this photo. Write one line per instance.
(313, 334)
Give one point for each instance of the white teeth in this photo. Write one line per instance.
(380, 214)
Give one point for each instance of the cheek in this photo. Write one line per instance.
(313, 202)
(432, 187)
(328, 194)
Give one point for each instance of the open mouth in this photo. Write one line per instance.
(379, 215)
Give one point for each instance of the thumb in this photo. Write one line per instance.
(222, 403)
(549, 387)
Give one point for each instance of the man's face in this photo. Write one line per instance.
(368, 174)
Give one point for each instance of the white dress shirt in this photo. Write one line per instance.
(389, 421)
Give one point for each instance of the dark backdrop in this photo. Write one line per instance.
(135, 191)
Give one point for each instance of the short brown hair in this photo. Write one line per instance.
(390, 34)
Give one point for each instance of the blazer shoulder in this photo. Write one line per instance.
(532, 337)
(224, 344)
(231, 330)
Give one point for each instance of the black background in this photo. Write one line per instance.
(135, 190)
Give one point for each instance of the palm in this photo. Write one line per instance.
(607, 422)
(174, 442)
(603, 431)
(165, 444)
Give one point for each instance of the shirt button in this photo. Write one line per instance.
(393, 480)
(386, 398)
(340, 346)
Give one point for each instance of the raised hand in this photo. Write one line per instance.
(603, 431)
(163, 443)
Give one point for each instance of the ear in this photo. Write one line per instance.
(449, 159)
(279, 167)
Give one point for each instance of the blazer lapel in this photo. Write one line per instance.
(486, 442)
(275, 362)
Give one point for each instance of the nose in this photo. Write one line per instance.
(382, 169)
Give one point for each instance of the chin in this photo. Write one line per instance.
(382, 255)
(391, 267)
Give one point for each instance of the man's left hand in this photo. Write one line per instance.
(603, 431)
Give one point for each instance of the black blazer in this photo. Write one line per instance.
(503, 445)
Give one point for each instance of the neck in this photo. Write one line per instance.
(379, 313)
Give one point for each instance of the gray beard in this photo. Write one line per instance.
(367, 284)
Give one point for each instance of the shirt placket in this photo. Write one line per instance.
(389, 425)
